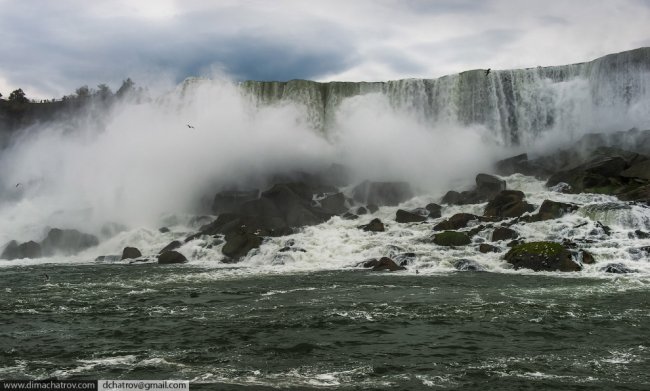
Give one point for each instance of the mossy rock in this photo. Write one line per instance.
(451, 238)
(542, 256)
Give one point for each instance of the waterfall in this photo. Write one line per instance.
(609, 93)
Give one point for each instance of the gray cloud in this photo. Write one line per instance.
(53, 47)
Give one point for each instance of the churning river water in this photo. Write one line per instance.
(346, 329)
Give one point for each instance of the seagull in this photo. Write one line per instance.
(46, 278)
(17, 184)
(190, 126)
(417, 271)
(488, 71)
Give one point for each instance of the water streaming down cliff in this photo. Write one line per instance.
(609, 93)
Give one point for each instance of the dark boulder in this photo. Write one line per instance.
(457, 221)
(542, 256)
(163, 230)
(617, 268)
(452, 197)
(383, 264)
(468, 265)
(361, 211)
(372, 208)
(239, 243)
(230, 200)
(130, 253)
(67, 241)
(605, 173)
(641, 234)
(375, 225)
(349, 216)
(171, 246)
(170, 257)
(435, 210)
(404, 216)
(503, 233)
(489, 186)
(382, 193)
(554, 210)
(451, 238)
(488, 248)
(508, 203)
(13, 250)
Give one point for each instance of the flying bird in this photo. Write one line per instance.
(17, 184)
(46, 278)
(487, 72)
(190, 126)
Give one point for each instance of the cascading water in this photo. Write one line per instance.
(609, 93)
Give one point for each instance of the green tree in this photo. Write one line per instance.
(125, 88)
(18, 96)
(83, 93)
(103, 92)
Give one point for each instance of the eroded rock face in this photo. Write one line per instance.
(542, 256)
(229, 201)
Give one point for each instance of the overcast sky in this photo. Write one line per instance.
(51, 47)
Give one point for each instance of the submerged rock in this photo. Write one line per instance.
(130, 253)
(451, 238)
(382, 264)
(617, 268)
(468, 265)
(170, 257)
(404, 259)
(542, 256)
